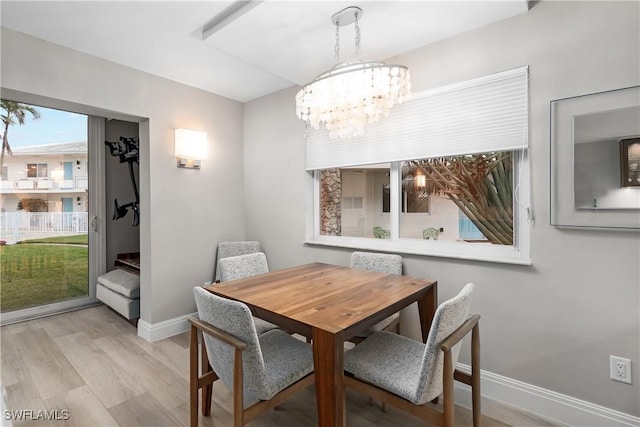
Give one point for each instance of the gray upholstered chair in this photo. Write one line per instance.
(227, 249)
(383, 263)
(241, 266)
(260, 370)
(408, 374)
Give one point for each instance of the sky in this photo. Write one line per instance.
(53, 127)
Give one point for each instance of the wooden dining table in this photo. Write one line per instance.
(330, 304)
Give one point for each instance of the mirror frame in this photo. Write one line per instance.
(562, 113)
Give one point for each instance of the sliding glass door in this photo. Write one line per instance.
(51, 245)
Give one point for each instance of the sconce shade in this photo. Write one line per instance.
(190, 147)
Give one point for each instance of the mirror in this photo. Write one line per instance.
(606, 165)
(595, 160)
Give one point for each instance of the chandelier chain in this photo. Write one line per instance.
(357, 37)
(337, 47)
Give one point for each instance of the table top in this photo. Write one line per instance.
(329, 297)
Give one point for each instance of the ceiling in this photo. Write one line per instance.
(270, 45)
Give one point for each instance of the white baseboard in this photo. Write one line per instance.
(546, 403)
(153, 332)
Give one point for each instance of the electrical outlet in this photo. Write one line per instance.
(620, 369)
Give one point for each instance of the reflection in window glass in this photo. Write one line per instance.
(351, 201)
(412, 202)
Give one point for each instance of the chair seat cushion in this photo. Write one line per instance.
(121, 282)
(389, 361)
(286, 360)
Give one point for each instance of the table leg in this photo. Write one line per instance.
(427, 306)
(328, 360)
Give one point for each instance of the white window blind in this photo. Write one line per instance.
(476, 116)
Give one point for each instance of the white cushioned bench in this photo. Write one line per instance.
(120, 290)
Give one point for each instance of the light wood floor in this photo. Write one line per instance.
(91, 363)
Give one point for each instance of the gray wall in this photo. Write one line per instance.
(184, 213)
(122, 236)
(555, 323)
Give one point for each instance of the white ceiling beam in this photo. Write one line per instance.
(227, 16)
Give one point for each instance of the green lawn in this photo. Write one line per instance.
(38, 274)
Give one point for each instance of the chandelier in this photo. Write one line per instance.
(352, 93)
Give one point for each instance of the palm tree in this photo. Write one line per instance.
(481, 185)
(13, 113)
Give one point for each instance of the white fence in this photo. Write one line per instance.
(16, 226)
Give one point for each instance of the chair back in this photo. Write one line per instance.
(228, 249)
(241, 266)
(234, 318)
(383, 263)
(449, 316)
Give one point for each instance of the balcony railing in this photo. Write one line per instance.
(79, 183)
(16, 226)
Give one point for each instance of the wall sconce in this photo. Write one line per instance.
(421, 180)
(190, 148)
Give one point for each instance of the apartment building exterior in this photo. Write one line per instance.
(44, 192)
(56, 174)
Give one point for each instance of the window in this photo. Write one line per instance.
(350, 203)
(472, 199)
(37, 170)
(446, 174)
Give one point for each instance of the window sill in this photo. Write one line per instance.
(486, 252)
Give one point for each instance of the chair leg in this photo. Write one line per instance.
(193, 376)
(207, 390)
(447, 389)
(238, 390)
(475, 375)
(383, 405)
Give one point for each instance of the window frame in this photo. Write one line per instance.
(38, 168)
(518, 253)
